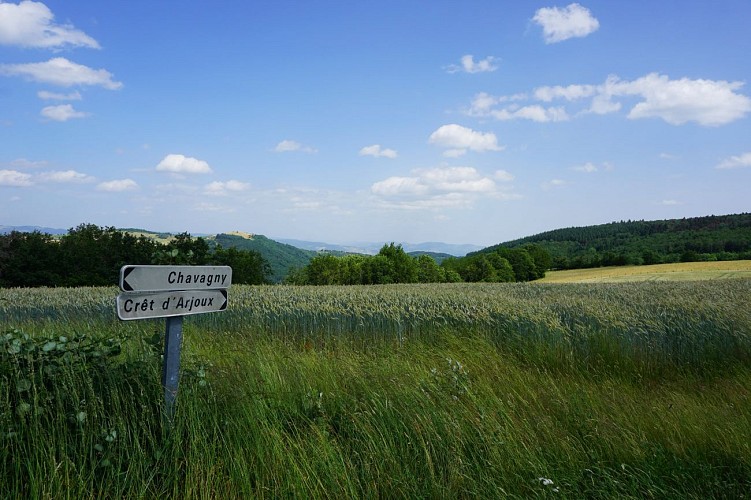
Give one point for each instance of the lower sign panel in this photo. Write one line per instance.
(165, 304)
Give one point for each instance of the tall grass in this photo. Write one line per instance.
(398, 391)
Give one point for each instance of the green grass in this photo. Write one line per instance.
(610, 390)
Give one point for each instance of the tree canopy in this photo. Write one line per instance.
(89, 255)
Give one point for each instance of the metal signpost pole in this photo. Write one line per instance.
(173, 336)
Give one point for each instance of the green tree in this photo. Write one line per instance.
(377, 270)
(248, 267)
(183, 250)
(29, 259)
(428, 271)
(323, 270)
(403, 266)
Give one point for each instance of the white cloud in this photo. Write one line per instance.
(15, 178)
(503, 176)
(587, 168)
(460, 139)
(398, 186)
(62, 113)
(62, 72)
(706, 102)
(440, 188)
(570, 93)
(740, 161)
(534, 113)
(377, 151)
(30, 24)
(117, 185)
(559, 24)
(66, 176)
(289, 145)
(24, 163)
(54, 96)
(180, 164)
(669, 203)
(469, 65)
(218, 188)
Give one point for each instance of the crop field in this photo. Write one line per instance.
(628, 390)
(684, 271)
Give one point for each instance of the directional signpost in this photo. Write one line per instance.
(141, 305)
(159, 278)
(171, 292)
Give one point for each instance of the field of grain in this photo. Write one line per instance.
(405, 391)
(683, 271)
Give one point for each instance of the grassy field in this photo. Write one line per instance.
(683, 271)
(600, 390)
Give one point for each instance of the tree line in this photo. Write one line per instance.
(393, 265)
(710, 238)
(89, 255)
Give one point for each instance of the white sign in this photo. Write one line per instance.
(170, 303)
(160, 278)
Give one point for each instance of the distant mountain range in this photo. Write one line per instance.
(372, 248)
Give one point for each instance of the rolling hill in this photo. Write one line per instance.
(723, 237)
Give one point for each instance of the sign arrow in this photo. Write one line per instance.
(142, 305)
(162, 278)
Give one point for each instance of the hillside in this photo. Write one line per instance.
(281, 257)
(724, 237)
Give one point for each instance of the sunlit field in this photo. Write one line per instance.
(481, 390)
(683, 271)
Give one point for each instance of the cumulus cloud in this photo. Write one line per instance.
(377, 151)
(705, 102)
(740, 161)
(559, 24)
(61, 72)
(461, 139)
(218, 188)
(398, 186)
(55, 96)
(440, 188)
(25, 163)
(469, 65)
(117, 185)
(289, 145)
(65, 176)
(62, 113)
(31, 24)
(15, 178)
(180, 164)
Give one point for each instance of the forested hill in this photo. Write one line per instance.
(720, 237)
(280, 256)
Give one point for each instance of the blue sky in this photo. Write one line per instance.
(463, 122)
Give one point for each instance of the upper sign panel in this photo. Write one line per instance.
(164, 278)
